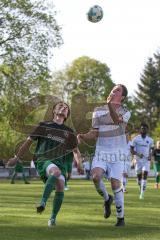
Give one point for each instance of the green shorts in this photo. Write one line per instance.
(69, 166)
(41, 167)
(157, 167)
(18, 168)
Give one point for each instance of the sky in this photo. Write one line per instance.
(124, 39)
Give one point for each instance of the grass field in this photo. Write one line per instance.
(81, 216)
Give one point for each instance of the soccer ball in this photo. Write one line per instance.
(95, 14)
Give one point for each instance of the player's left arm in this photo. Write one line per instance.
(117, 119)
(78, 159)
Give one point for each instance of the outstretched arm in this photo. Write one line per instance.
(92, 134)
(136, 153)
(25, 147)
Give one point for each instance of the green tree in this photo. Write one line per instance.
(28, 28)
(86, 83)
(85, 75)
(157, 92)
(134, 121)
(145, 96)
(156, 132)
(28, 34)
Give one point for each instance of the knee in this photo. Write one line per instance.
(96, 178)
(125, 175)
(115, 184)
(145, 174)
(55, 172)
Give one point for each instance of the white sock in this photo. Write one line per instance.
(119, 201)
(125, 180)
(101, 189)
(139, 182)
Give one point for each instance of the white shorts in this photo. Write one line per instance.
(127, 168)
(111, 170)
(142, 166)
(61, 177)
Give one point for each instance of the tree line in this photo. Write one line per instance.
(28, 88)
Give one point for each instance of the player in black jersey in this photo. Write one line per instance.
(54, 141)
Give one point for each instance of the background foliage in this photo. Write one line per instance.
(29, 33)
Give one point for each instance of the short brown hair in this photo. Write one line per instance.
(125, 91)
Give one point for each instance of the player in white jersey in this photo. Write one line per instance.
(127, 162)
(141, 147)
(108, 127)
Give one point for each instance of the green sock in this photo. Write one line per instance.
(65, 182)
(57, 202)
(157, 179)
(24, 177)
(49, 186)
(13, 177)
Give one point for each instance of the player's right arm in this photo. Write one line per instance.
(24, 148)
(136, 153)
(37, 131)
(133, 151)
(92, 134)
(94, 131)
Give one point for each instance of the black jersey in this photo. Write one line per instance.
(53, 140)
(156, 154)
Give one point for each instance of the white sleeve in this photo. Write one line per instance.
(95, 120)
(126, 116)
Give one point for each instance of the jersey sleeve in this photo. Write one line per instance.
(126, 116)
(95, 119)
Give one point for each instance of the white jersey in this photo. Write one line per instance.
(142, 146)
(129, 155)
(112, 138)
(32, 164)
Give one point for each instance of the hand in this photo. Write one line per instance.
(80, 138)
(110, 98)
(80, 168)
(12, 162)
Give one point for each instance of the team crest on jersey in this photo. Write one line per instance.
(66, 134)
